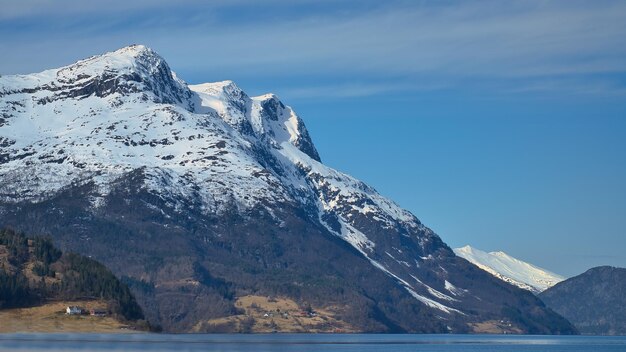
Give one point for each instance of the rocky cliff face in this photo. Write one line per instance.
(595, 301)
(196, 194)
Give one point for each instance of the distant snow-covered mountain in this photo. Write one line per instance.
(511, 270)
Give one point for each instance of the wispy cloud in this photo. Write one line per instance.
(67, 8)
(470, 43)
(591, 87)
(354, 90)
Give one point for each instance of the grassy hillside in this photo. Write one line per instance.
(36, 275)
(259, 314)
(51, 317)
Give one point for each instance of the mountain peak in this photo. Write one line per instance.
(135, 50)
(128, 59)
(135, 70)
(224, 91)
(275, 116)
(264, 116)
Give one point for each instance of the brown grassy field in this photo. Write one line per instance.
(263, 315)
(51, 317)
(494, 327)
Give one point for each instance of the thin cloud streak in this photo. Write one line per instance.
(67, 8)
(353, 90)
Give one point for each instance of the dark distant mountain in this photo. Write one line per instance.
(199, 195)
(595, 301)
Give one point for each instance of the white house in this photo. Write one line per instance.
(73, 310)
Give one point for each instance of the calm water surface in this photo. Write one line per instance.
(306, 343)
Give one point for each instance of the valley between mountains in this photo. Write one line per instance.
(201, 198)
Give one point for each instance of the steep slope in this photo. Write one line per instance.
(511, 270)
(595, 301)
(201, 193)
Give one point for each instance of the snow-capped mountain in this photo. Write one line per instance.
(511, 270)
(201, 188)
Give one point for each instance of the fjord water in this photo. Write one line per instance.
(307, 342)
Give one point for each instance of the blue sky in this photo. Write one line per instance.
(499, 124)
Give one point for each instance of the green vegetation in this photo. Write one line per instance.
(87, 277)
(14, 291)
(16, 244)
(79, 277)
(45, 251)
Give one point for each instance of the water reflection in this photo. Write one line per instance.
(306, 343)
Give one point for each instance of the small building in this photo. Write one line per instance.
(97, 313)
(73, 310)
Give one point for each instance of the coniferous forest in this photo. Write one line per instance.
(33, 271)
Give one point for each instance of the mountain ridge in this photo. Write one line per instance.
(117, 148)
